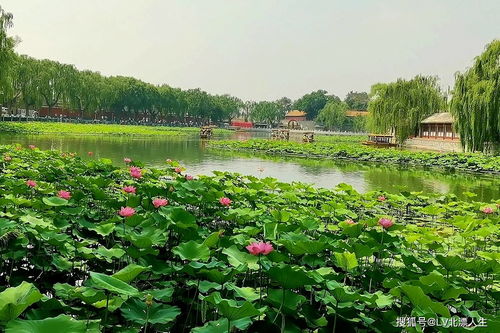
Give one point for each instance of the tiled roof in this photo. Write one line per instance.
(295, 113)
(439, 118)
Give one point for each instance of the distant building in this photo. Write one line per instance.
(436, 133)
(296, 119)
(438, 126)
(241, 123)
(295, 115)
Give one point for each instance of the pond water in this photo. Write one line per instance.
(195, 155)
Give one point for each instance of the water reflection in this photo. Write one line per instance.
(200, 159)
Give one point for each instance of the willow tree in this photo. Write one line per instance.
(6, 51)
(399, 107)
(476, 102)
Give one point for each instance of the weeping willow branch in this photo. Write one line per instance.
(399, 107)
(476, 102)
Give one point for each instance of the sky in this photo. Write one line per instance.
(259, 49)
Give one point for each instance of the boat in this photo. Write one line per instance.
(380, 140)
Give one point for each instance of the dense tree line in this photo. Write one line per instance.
(32, 83)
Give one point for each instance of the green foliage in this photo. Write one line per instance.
(266, 112)
(6, 52)
(313, 102)
(14, 300)
(400, 106)
(184, 267)
(192, 251)
(51, 325)
(357, 100)
(137, 311)
(111, 284)
(348, 147)
(333, 115)
(476, 102)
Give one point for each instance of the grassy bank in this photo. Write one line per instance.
(95, 129)
(351, 150)
(78, 251)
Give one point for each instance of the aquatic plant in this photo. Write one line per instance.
(280, 257)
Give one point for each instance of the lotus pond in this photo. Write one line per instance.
(203, 158)
(88, 246)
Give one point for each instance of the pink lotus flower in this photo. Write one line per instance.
(135, 172)
(487, 210)
(126, 211)
(64, 194)
(349, 221)
(381, 198)
(178, 170)
(385, 222)
(31, 183)
(129, 189)
(31, 146)
(169, 160)
(90, 153)
(257, 248)
(127, 160)
(7, 158)
(189, 177)
(160, 202)
(225, 201)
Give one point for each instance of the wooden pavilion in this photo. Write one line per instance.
(438, 126)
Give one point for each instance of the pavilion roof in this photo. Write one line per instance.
(439, 118)
(295, 113)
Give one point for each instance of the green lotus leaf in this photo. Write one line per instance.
(220, 326)
(129, 272)
(423, 302)
(108, 254)
(14, 300)
(346, 260)
(51, 325)
(212, 239)
(232, 311)
(112, 284)
(291, 301)
(247, 293)
(164, 294)
(290, 277)
(192, 251)
(55, 201)
(135, 310)
(304, 247)
(237, 258)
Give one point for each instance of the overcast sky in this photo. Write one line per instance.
(259, 49)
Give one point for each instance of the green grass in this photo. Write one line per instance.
(95, 129)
